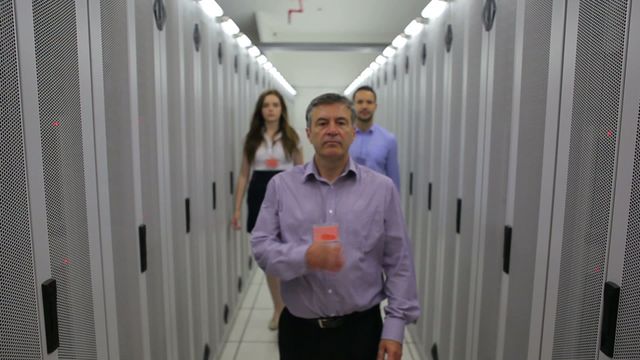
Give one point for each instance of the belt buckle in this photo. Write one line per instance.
(322, 323)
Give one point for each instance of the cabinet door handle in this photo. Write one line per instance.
(611, 301)
(506, 251)
(50, 309)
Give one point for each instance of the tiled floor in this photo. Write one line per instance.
(251, 339)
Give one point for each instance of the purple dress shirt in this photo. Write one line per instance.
(377, 148)
(366, 207)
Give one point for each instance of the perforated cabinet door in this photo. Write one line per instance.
(19, 311)
(596, 36)
(68, 150)
(619, 336)
(465, 99)
(530, 99)
(152, 118)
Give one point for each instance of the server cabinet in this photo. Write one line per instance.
(495, 123)
(179, 201)
(243, 103)
(450, 212)
(521, 233)
(413, 137)
(114, 81)
(57, 307)
(402, 122)
(621, 341)
(421, 177)
(596, 58)
(229, 140)
(153, 122)
(22, 331)
(465, 104)
(209, 189)
(222, 176)
(192, 32)
(433, 268)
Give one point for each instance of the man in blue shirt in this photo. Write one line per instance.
(332, 231)
(374, 146)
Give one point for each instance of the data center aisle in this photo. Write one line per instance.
(251, 339)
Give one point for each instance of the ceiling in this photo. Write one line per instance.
(321, 43)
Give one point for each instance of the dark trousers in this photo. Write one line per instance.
(356, 339)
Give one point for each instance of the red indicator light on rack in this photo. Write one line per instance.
(66, 261)
(56, 123)
(610, 133)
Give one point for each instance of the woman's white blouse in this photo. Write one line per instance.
(270, 155)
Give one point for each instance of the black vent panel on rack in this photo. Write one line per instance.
(19, 326)
(58, 82)
(627, 344)
(596, 98)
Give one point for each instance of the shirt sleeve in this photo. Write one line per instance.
(393, 169)
(400, 286)
(283, 260)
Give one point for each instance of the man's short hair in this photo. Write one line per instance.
(328, 99)
(366, 88)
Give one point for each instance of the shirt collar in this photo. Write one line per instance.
(310, 170)
(371, 129)
(275, 138)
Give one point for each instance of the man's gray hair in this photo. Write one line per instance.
(328, 99)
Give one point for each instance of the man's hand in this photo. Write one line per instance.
(391, 348)
(322, 256)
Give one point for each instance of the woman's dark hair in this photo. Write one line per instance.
(290, 139)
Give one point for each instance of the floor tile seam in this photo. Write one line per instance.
(244, 330)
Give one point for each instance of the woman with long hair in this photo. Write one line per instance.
(271, 146)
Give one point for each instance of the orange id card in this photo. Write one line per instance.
(272, 163)
(326, 233)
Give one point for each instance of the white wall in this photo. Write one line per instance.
(315, 73)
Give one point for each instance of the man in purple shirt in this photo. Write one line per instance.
(333, 232)
(374, 146)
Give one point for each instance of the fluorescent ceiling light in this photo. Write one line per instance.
(434, 9)
(261, 59)
(389, 52)
(211, 8)
(366, 72)
(374, 66)
(229, 27)
(399, 42)
(254, 51)
(413, 28)
(268, 66)
(243, 40)
(381, 60)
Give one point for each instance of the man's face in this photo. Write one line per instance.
(331, 132)
(365, 104)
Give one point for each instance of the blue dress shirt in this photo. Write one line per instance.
(377, 149)
(365, 205)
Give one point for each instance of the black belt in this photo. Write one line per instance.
(338, 321)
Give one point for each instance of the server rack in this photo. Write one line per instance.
(589, 165)
(120, 181)
(60, 308)
(179, 187)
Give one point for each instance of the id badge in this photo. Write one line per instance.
(272, 163)
(326, 233)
